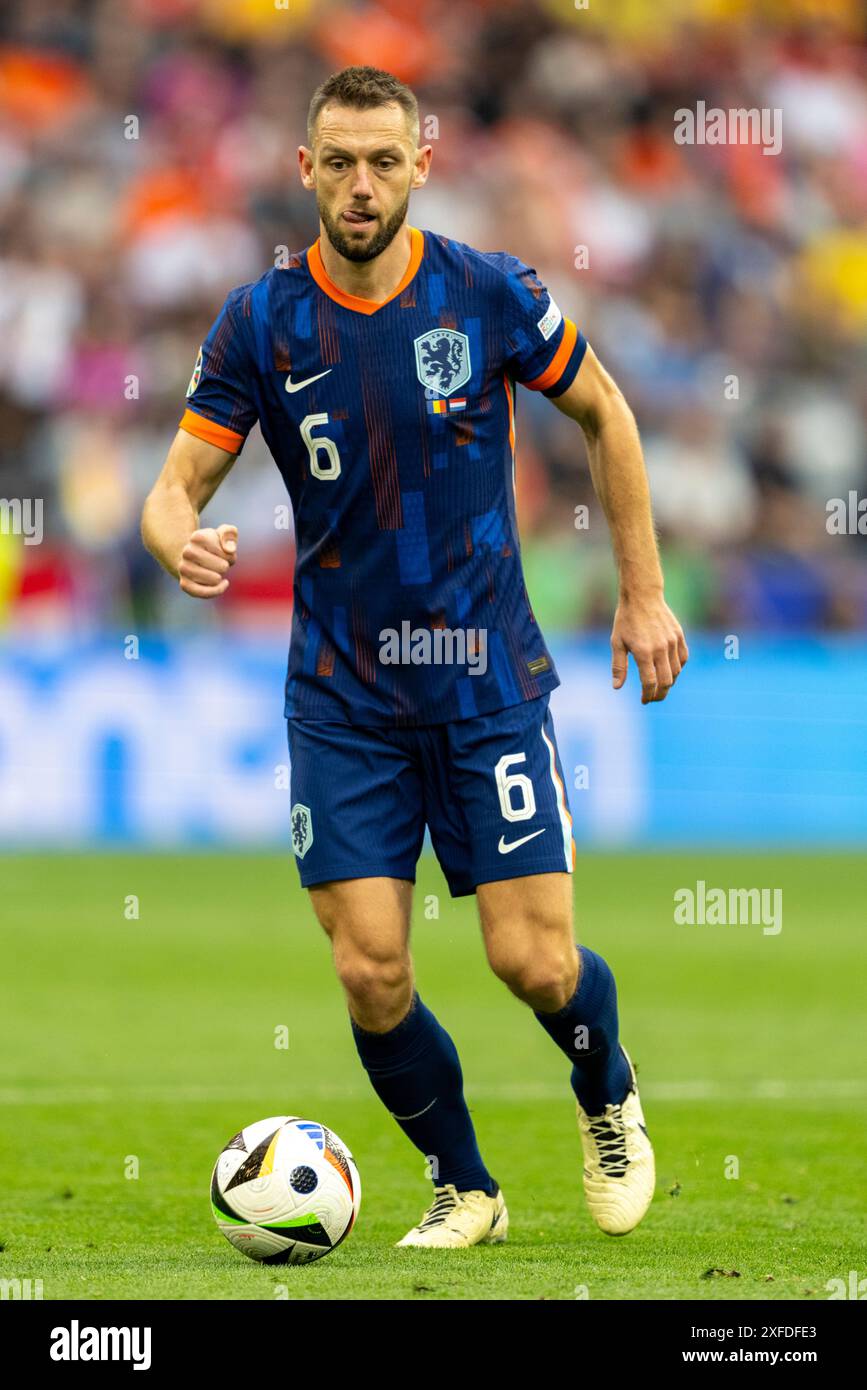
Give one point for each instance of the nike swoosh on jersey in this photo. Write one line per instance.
(507, 849)
(299, 385)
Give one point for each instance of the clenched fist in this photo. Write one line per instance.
(206, 560)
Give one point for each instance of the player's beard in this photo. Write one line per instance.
(378, 242)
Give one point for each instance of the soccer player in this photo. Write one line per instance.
(381, 363)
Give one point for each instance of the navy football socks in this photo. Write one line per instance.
(586, 1030)
(416, 1072)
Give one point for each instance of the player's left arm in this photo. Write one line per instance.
(643, 623)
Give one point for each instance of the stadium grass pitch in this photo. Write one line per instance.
(133, 1047)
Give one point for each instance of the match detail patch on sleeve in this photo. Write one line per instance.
(197, 374)
(550, 321)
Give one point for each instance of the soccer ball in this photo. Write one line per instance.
(285, 1190)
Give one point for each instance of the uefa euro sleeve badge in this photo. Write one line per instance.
(197, 374)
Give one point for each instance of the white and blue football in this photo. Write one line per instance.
(285, 1190)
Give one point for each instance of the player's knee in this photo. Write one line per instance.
(543, 978)
(376, 986)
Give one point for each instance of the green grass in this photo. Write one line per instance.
(155, 1038)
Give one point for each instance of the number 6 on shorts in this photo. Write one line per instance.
(517, 781)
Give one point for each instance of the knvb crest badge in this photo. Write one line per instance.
(442, 360)
(302, 829)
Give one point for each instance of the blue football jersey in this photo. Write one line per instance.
(393, 425)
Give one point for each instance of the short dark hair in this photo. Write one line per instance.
(363, 88)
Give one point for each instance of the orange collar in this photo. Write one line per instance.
(354, 301)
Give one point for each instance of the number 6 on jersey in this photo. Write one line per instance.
(327, 472)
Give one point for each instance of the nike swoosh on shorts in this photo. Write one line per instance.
(507, 849)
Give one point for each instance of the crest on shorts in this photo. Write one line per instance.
(442, 360)
(302, 829)
(197, 374)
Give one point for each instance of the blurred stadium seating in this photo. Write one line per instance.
(552, 130)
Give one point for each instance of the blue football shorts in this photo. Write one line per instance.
(490, 789)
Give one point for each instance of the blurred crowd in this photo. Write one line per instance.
(147, 165)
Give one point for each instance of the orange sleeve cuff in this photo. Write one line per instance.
(211, 432)
(557, 366)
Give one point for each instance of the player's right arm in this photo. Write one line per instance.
(198, 557)
(220, 412)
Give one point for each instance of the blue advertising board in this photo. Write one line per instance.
(182, 743)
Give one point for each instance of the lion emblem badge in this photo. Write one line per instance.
(302, 829)
(442, 360)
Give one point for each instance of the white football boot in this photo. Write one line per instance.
(619, 1170)
(458, 1219)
